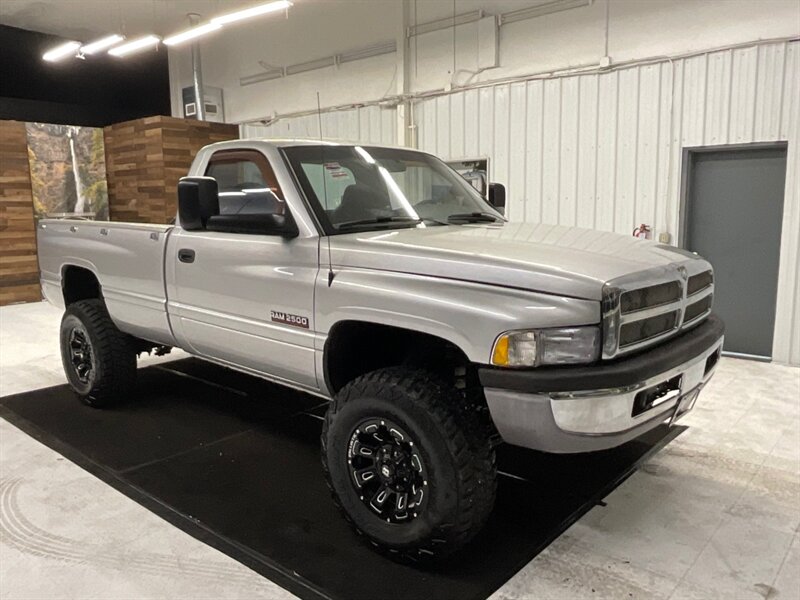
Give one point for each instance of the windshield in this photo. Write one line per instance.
(358, 188)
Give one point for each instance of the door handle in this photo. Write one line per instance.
(186, 255)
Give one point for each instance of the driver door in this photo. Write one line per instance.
(246, 299)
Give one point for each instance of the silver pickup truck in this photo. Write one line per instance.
(379, 279)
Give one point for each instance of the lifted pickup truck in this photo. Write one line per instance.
(379, 279)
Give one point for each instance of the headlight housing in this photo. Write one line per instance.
(534, 347)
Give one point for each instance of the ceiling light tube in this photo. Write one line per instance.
(192, 33)
(102, 44)
(135, 46)
(253, 11)
(62, 51)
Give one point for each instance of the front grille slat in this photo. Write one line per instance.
(646, 329)
(649, 297)
(699, 282)
(698, 308)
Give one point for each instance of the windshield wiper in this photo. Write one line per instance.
(474, 217)
(378, 221)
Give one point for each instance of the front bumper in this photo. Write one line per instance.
(588, 408)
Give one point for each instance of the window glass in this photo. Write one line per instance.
(245, 186)
(329, 183)
(366, 188)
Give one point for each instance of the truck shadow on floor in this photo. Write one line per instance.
(234, 461)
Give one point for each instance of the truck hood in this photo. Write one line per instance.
(554, 259)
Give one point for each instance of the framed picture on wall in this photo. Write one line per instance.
(68, 171)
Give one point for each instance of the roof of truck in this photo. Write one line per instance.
(288, 142)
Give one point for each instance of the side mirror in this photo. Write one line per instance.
(198, 201)
(264, 224)
(497, 197)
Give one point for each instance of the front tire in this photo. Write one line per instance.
(99, 360)
(411, 469)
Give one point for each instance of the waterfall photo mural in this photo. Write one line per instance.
(68, 171)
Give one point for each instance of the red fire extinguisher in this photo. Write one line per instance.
(642, 232)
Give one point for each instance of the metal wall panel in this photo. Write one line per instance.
(605, 150)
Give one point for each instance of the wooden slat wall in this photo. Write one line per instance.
(145, 159)
(19, 269)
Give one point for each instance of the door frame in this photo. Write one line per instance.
(683, 214)
(686, 175)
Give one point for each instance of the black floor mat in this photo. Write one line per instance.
(234, 461)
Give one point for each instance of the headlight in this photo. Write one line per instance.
(567, 345)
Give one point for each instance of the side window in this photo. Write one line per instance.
(246, 183)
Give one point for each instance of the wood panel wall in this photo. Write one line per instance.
(19, 269)
(145, 159)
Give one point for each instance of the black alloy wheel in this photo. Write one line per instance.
(81, 354)
(387, 470)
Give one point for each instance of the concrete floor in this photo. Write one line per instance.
(715, 515)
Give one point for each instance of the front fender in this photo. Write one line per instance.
(469, 315)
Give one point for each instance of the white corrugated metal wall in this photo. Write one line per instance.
(605, 151)
(369, 124)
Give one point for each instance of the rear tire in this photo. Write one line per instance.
(99, 360)
(396, 431)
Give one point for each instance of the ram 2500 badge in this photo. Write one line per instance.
(379, 279)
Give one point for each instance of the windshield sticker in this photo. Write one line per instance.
(335, 170)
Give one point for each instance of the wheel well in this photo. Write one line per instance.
(78, 283)
(354, 348)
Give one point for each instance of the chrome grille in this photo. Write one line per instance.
(643, 309)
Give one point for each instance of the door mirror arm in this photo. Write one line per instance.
(263, 224)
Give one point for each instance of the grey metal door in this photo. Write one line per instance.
(734, 209)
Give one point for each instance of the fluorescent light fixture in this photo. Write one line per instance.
(134, 46)
(253, 11)
(102, 44)
(192, 33)
(62, 51)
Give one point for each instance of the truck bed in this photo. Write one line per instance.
(126, 258)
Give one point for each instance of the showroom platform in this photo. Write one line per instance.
(234, 461)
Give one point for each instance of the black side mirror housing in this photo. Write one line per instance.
(198, 201)
(497, 197)
(264, 224)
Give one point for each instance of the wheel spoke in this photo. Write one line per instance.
(418, 494)
(379, 498)
(359, 449)
(416, 463)
(362, 476)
